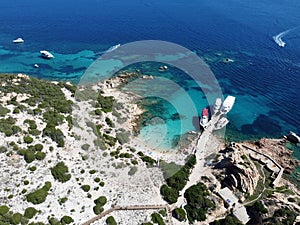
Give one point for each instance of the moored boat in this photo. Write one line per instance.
(204, 118)
(217, 105)
(227, 104)
(221, 123)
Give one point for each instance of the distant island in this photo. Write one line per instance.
(68, 155)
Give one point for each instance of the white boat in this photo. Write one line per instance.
(221, 123)
(217, 105)
(18, 40)
(47, 55)
(204, 118)
(227, 104)
(113, 48)
(36, 66)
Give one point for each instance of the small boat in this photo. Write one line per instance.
(204, 118)
(221, 123)
(113, 48)
(217, 105)
(163, 68)
(18, 40)
(227, 104)
(36, 66)
(47, 55)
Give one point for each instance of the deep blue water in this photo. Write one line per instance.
(263, 76)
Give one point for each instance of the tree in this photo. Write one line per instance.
(170, 195)
(111, 221)
(60, 172)
(39, 196)
(66, 220)
(179, 214)
(30, 212)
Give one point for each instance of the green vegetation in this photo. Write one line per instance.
(62, 200)
(282, 216)
(156, 218)
(100, 202)
(197, 202)
(29, 156)
(132, 170)
(175, 180)
(40, 155)
(106, 102)
(55, 134)
(123, 137)
(109, 122)
(111, 221)
(3, 210)
(85, 147)
(31, 123)
(16, 218)
(39, 196)
(179, 214)
(30, 212)
(66, 220)
(60, 172)
(86, 188)
(3, 110)
(8, 127)
(229, 220)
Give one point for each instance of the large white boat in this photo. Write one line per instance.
(47, 55)
(221, 123)
(217, 105)
(204, 118)
(18, 40)
(227, 104)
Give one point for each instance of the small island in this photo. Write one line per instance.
(69, 155)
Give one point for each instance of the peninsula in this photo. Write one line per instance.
(68, 155)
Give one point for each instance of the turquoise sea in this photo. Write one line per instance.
(264, 77)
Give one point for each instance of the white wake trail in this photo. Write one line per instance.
(278, 38)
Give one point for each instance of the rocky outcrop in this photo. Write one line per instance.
(276, 149)
(237, 171)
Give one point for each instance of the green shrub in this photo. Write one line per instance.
(40, 155)
(98, 112)
(29, 156)
(132, 170)
(62, 200)
(169, 194)
(85, 147)
(3, 210)
(86, 188)
(109, 122)
(16, 218)
(106, 102)
(32, 168)
(111, 221)
(156, 218)
(123, 137)
(97, 179)
(55, 134)
(38, 147)
(179, 214)
(28, 139)
(26, 182)
(30, 212)
(66, 220)
(60, 172)
(100, 201)
(39, 196)
(3, 110)
(98, 209)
